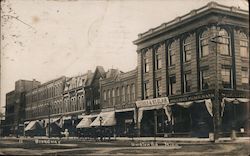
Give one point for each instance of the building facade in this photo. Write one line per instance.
(118, 92)
(44, 105)
(201, 57)
(15, 104)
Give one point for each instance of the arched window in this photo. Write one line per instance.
(187, 49)
(204, 40)
(244, 52)
(171, 55)
(224, 42)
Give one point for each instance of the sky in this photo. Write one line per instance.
(45, 39)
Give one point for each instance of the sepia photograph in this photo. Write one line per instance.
(125, 77)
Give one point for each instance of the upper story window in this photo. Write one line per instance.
(157, 59)
(146, 90)
(171, 55)
(123, 94)
(145, 62)
(133, 92)
(245, 75)
(117, 94)
(204, 40)
(108, 96)
(128, 92)
(187, 49)
(187, 82)
(224, 42)
(244, 52)
(226, 75)
(113, 96)
(172, 85)
(204, 79)
(158, 88)
(104, 96)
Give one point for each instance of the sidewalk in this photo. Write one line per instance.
(175, 140)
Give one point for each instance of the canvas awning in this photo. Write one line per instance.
(26, 122)
(58, 121)
(108, 119)
(233, 101)
(31, 126)
(85, 122)
(67, 118)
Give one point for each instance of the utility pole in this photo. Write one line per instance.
(216, 105)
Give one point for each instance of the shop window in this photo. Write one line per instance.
(224, 42)
(172, 85)
(146, 90)
(146, 62)
(244, 52)
(187, 50)
(226, 75)
(204, 79)
(171, 55)
(187, 82)
(158, 88)
(157, 59)
(204, 40)
(245, 75)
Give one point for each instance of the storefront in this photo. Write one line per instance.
(55, 126)
(235, 115)
(125, 121)
(34, 128)
(152, 116)
(83, 127)
(104, 124)
(192, 118)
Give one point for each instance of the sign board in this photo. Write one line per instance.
(152, 102)
(191, 97)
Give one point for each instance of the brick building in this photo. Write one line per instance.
(118, 92)
(15, 104)
(197, 62)
(43, 103)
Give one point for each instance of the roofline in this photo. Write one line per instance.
(211, 5)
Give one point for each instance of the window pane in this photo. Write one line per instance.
(223, 49)
(245, 76)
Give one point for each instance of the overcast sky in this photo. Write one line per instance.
(51, 38)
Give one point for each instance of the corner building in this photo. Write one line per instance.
(193, 74)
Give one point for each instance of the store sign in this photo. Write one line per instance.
(152, 102)
(192, 98)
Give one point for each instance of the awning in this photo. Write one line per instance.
(26, 122)
(85, 122)
(233, 101)
(58, 121)
(151, 104)
(125, 110)
(31, 126)
(208, 104)
(67, 118)
(108, 119)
